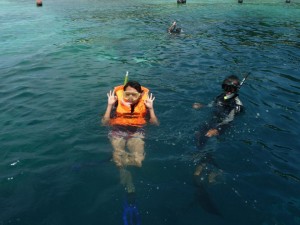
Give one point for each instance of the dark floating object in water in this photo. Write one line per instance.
(39, 3)
(181, 1)
(287, 1)
(240, 1)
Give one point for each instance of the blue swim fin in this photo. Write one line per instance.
(131, 214)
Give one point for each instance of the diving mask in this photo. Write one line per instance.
(230, 89)
(131, 95)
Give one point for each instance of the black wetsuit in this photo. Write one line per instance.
(223, 113)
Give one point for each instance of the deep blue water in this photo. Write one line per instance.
(58, 62)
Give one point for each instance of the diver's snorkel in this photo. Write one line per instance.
(226, 97)
(244, 79)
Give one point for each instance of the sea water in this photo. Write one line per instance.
(58, 61)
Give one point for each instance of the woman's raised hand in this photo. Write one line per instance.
(111, 98)
(149, 101)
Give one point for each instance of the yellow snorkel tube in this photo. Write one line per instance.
(126, 78)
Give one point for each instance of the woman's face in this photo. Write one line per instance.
(131, 95)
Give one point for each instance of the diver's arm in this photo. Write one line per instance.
(198, 105)
(172, 27)
(110, 103)
(228, 118)
(220, 127)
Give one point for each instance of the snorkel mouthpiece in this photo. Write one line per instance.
(230, 89)
(231, 86)
(229, 96)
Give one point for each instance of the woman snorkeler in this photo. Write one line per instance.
(129, 108)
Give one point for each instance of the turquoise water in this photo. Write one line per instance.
(58, 62)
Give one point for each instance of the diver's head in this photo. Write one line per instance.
(177, 30)
(132, 91)
(231, 86)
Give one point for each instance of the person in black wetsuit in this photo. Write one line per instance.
(225, 107)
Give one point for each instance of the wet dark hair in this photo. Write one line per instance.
(231, 82)
(134, 84)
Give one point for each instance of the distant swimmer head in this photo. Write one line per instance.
(231, 86)
(177, 31)
(39, 3)
(132, 91)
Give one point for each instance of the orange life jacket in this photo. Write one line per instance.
(123, 111)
